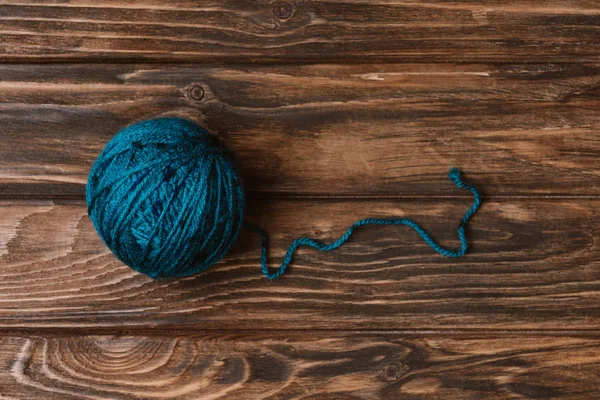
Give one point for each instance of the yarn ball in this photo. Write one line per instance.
(166, 197)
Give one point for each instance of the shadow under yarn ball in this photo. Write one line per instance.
(166, 197)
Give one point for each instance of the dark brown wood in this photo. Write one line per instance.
(308, 365)
(363, 130)
(327, 129)
(534, 265)
(234, 31)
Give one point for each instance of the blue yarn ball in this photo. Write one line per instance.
(166, 197)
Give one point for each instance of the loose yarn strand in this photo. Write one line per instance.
(454, 176)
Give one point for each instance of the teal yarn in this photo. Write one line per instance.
(454, 176)
(167, 198)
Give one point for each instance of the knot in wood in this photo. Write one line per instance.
(283, 10)
(393, 371)
(196, 92)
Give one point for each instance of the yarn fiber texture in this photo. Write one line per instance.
(166, 197)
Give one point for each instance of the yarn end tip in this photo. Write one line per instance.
(454, 175)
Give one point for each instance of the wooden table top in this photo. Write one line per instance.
(337, 110)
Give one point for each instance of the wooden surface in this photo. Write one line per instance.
(236, 31)
(327, 130)
(292, 366)
(337, 110)
(533, 266)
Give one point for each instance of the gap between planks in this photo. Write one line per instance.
(319, 197)
(315, 332)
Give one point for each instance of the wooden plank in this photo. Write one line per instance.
(307, 365)
(363, 130)
(533, 265)
(234, 31)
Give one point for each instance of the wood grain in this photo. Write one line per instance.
(319, 130)
(309, 365)
(235, 31)
(533, 265)
(337, 110)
